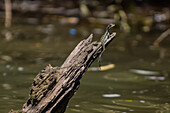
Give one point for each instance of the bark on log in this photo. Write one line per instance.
(60, 83)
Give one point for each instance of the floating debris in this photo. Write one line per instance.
(6, 58)
(142, 101)
(6, 86)
(155, 78)
(77, 105)
(129, 100)
(144, 72)
(102, 68)
(20, 68)
(111, 95)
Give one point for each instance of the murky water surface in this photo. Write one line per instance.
(140, 82)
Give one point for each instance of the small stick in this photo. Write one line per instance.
(161, 37)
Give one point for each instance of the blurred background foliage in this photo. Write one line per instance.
(55, 20)
(128, 15)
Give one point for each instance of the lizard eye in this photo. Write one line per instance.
(109, 26)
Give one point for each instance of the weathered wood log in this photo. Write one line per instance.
(54, 86)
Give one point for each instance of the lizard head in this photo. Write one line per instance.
(110, 26)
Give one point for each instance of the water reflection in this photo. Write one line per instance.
(111, 95)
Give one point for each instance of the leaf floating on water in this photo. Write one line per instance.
(111, 95)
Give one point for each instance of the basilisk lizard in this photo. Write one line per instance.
(101, 43)
(103, 40)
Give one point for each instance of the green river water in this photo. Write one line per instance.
(120, 90)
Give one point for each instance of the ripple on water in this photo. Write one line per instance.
(149, 98)
(75, 110)
(104, 110)
(116, 107)
(124, 106)
(116, 77)
(134, 104)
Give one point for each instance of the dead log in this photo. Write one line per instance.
(54, 86)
